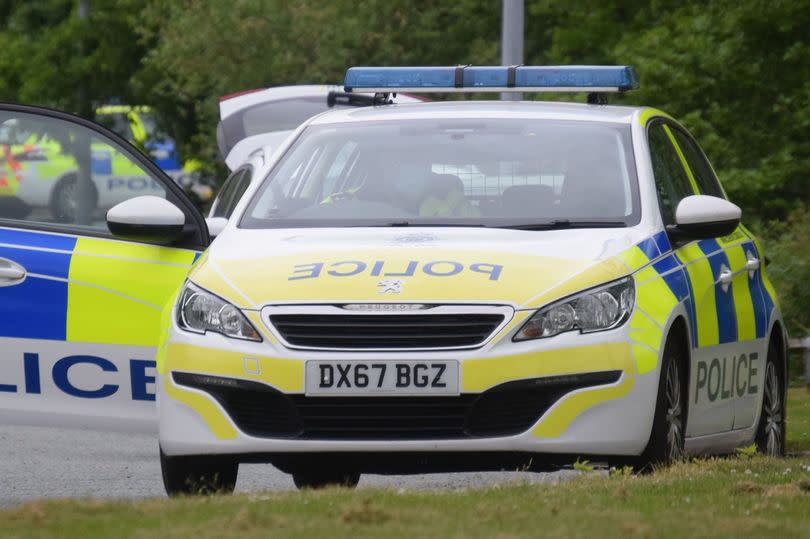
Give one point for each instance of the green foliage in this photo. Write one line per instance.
(735, 72)
(49, 55)
(747, 452)
(790, 270)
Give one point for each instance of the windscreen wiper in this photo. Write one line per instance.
(557, 224)
(428, 224)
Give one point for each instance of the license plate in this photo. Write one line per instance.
(406, 377)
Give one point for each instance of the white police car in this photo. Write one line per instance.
(473, 285)
(434, 286)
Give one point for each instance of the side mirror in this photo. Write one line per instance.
(215, 225)
(700, 217)
(148, 218)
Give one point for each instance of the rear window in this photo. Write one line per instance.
(476, 172)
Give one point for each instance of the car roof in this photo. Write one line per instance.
(482, 109)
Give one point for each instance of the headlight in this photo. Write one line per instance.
(602, 308)
(200, 311)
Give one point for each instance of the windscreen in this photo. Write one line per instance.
(476, 172)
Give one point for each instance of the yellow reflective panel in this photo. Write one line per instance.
(743, 303)
(648, 114)
(591, 276)
(647, 336)
(646, 359)
(220, 425)
(653, 296)
(634, 257)
(735, 237)
(427, 274)
(700, 275)
(283, 374)
(478, 375)
(560, 417)
(117, 290)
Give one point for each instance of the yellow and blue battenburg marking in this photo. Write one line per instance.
(716, 315)
(761, 291)
(94, 290)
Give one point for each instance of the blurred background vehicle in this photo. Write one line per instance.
(267, 116)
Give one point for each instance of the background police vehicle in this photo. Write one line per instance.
(465, 285)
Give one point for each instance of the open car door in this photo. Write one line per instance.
(80, 310)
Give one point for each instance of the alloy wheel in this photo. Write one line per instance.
(772, 413)
(674, 418)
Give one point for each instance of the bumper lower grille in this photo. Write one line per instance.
(381, 331)
(504, 410)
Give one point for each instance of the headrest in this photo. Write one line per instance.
(441, 185)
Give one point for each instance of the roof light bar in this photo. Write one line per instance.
(491, 79)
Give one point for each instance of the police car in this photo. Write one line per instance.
(39, 169)
(464, 285)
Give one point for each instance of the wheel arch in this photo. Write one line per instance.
(679, 330)
(66, 177)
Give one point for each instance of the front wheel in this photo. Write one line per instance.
(196, 474)
(666, 444)
(770, 438)
(65, 204)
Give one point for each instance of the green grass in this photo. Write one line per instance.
(798, 419)
(739, 496)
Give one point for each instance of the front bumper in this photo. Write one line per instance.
(606, 409)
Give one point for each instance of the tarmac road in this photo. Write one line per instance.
(38, 462)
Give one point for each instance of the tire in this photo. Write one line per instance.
(770, 436)
(316, 478)
(64, 204)
(198, 475)
(666, 443)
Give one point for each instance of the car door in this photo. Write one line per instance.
(81, 309)
(743, 365)
(708, 302)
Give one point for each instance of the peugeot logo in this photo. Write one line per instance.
(389, 286)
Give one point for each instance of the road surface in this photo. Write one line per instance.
(42, 462)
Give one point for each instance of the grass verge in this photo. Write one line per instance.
(740, 496)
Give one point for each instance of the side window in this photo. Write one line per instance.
(231, 193)
(61, 173)
(671, 180)
(698, 164)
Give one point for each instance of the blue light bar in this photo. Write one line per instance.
(492, 79)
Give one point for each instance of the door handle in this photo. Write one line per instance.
(10, 272)
(752, 265)
(725, 278)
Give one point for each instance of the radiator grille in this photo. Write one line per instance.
(386, 331)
